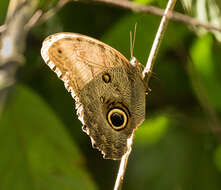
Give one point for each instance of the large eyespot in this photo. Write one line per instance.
(117, 118)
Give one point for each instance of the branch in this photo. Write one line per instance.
(41, 17)
(13, 43)
(157, 41)
(3, 28)
(153, 53)
(123, 165)
(147, 9)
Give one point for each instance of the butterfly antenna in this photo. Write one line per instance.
(131, 44)
(132, 40)
(134, 37)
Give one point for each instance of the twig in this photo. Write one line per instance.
(13, 43)
(156, 44)
(130, 5)
(34, 19)
(3, 28)
(40, 17)
(149, 66)
(123, 165)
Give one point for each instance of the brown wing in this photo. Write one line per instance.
(77, 59)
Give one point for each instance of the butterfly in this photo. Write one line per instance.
(109, 91)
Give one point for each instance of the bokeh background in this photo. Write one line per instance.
(42, 146)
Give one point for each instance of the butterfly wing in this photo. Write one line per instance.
(79, 61)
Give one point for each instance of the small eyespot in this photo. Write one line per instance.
(106, 78)
(59, 51)
(117, 118)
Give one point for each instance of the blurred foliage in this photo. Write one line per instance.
(208, 11)
(47, 4)
(177, 147)
(143, 1)
(36, 151)
(157, 127)
(206, 70)
(3, 12)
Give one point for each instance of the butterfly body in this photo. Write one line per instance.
(109, 92)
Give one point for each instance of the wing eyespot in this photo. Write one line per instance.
(106, 78)
(117, 118)
(59, 51)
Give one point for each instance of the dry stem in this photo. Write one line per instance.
(146, 73)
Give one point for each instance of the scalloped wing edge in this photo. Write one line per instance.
(63, 76)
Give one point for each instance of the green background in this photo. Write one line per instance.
(42, 146)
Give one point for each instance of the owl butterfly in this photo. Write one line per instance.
(109, 91)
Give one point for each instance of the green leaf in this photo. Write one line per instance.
(36, 151)
(217, 158)
(181, 159)
(47, 4)
(147, 26)
(144, 1)
(152, 130)
(3, 12)
(208, 11)
(146, 29)
(205, 69)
